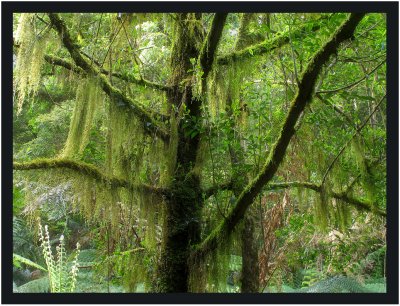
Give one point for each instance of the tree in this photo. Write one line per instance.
(160, 123)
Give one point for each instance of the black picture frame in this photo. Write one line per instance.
(390, 8)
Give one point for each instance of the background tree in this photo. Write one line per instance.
(167, 135)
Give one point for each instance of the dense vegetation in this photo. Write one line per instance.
(199, 152)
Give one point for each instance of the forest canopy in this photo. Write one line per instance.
(199, 152)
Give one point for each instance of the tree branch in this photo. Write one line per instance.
(266, 46)
(352, 137)
(209, 48)
(352, 84)
(58, 61)
(54, 60)
(344, 196)
(338, 110)
(85, 169)
(303, 97)
(128, 77)
(150, 124)
(214, 189)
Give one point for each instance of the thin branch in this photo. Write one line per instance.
(348, 141)
(352, 84)
(216, 188)
(54, 60)
(97, 35)
(58, 61)
(303, 97)
(360, 204)
(150, 124)
(85, 169)
(344, 196)
(337, 109)
(207, 53)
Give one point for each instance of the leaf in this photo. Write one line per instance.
(17, 259)
(193, 133)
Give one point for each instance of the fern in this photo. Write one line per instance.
(18, 259)
(60, 279)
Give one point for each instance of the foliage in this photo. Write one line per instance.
(40, 285)
(18, 260)
(61, 277)
(173, 143)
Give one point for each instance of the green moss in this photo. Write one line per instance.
(367, 178)
(321, 209)
(88, 99)
(209, 271)
(30, 58)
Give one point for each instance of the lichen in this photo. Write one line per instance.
(30, 58)
(209, 273)
(321, 209)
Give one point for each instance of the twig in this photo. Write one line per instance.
(347, 142)
(352, 84)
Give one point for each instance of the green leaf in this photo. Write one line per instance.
(18, 259)
(193, 133)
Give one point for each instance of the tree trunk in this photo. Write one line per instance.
(181, 225)
(250, 268)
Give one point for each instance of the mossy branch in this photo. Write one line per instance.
(85, 169)
(54, 60)
(266, 46)
(209, 48)
(303, 97)
(58, 61)
(360, 204)
(214, 189)
(344, 196)
(150, 124)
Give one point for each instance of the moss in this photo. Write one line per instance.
(367, 178)
(30, 58)
(321, 209)
(266, 46)
(209, 273)
(88, 99)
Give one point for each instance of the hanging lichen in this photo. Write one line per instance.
(321, 209)
(88, 98)
(342, 215)
(367, 178)
(213, 273)
(30, 58)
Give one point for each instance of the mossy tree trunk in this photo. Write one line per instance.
(183, 206)
(250, 267)
(182, 223)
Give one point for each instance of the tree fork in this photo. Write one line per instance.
(303, 97)
(150, 124)
(181, 225)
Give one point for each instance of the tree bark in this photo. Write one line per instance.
(250, 268)
(182, 223)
